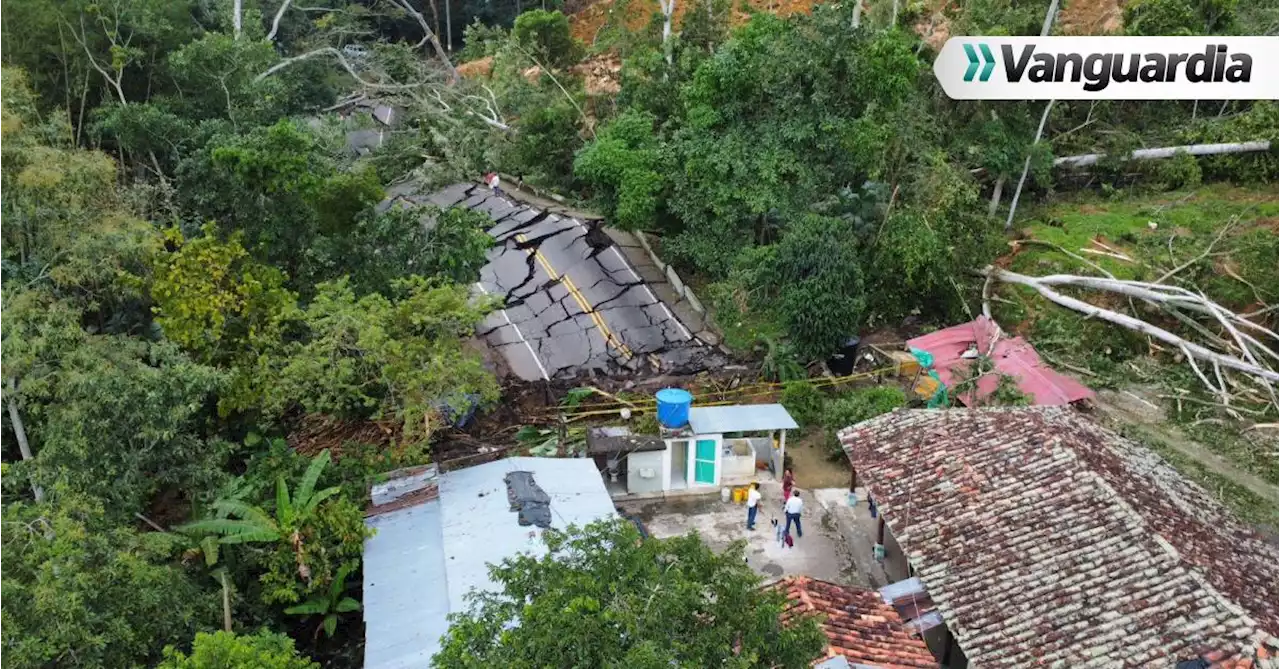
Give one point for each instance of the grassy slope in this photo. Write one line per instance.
(1241, 274)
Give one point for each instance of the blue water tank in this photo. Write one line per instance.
(673, 407)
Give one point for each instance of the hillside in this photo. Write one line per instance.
(1223, 239)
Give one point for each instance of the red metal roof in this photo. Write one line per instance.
(1013, 357)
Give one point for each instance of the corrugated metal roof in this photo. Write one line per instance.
(406, 597)
(740, 418)
(480, 527)
(1013, 357)
(426, 558)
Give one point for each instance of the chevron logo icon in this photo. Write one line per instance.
(988, 62)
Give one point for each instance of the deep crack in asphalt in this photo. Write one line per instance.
(559, 319)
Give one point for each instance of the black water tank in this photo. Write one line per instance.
(842, 361)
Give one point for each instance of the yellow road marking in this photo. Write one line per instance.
(609, 338)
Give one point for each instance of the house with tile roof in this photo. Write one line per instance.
(860, 626)
(1045, 539)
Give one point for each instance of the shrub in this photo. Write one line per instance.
(547, 35)
(856, 407)
(803, 401)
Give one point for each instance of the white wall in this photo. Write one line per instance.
(651, 461)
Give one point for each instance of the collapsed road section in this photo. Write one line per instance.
(573, 302)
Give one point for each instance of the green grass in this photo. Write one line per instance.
(1184, 224)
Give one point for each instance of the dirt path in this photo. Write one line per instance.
(1128, 407)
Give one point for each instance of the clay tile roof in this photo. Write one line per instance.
(858, 624)
(1046, 539)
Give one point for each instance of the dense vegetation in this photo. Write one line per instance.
(195, 269)
(602, 597)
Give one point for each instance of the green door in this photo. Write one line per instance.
(704, 462)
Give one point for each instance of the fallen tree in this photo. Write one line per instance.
(1254, 355)
(1088, 159)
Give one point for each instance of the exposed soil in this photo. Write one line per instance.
(587, 23)
(812, 467)
(1091, 17)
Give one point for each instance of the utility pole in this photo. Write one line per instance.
(448, 25)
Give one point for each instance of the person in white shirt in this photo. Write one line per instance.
(793, 508)
(753, 505)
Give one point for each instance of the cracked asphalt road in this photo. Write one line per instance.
(573, 302)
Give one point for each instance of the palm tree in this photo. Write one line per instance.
(240, 522)
(328, 604)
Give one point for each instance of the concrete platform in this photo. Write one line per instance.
(821, 553)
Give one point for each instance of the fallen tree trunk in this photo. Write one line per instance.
(1167, 152)
(1043, 285)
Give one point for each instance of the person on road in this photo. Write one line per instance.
(753, 505)
(793, 508)
(494, 183)
(788, 482)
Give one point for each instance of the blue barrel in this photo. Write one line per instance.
(673, 407)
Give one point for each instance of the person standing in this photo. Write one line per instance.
(793, 508)
(494, 183)
(753, 505)
(788, 482)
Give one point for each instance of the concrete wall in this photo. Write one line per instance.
(649, 461)
(683, 291)
(738, 465)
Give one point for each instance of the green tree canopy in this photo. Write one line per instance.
(226, 650)
(603, 597)
(80, 591)
(546, 34)
(373, 356)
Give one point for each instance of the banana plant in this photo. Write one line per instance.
(239, 522)
(328, 604)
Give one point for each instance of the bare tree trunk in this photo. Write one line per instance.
(894, 21)
(430, 36)
(448, 25)
(995, 197)
(1168, 152)
(275, 23)
(668, 9)
(1193, 350)
(226, 602)
(237, 8)
(857, 14)
(1049, 16)
(20, 431)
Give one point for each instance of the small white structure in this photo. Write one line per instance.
(722, 445)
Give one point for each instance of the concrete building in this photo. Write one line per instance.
(721, 446)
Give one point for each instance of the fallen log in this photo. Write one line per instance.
(1167, 152)
(1043, 285)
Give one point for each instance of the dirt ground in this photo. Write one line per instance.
(812, 467)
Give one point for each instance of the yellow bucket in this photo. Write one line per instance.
(739, 495)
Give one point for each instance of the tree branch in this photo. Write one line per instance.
(430, 36)
(1042, 286)
(275, 23)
